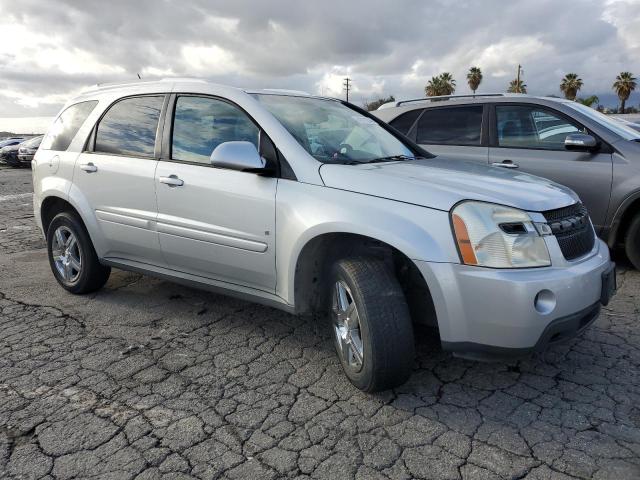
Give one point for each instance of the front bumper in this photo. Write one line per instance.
(25, 157)
(484, 313)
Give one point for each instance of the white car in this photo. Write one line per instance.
(312, 205)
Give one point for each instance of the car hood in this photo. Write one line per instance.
(442, 182)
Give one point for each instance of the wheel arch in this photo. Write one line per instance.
(628, 209)
(53, 204)
(320, 252)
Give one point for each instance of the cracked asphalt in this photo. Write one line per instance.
(147, 379)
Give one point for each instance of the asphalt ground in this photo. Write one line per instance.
(148, 379)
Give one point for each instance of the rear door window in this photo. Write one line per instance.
(404, 122)
(451, 126)
(129, 127)
(65, 127)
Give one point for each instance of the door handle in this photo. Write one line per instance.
(172, 181)
(89, 167)
(505, 164)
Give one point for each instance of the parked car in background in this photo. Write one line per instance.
(629, 123)
(567, 142)
(9, 154)
(11, 141)
(27, 149)
(311, 204)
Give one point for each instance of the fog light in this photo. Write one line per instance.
(545, 302)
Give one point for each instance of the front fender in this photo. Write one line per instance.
(303, 212)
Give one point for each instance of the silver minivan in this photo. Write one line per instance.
(595, 155)
(313, 206)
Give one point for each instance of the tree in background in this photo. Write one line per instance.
(474, 78)
(570, 85)
(370, 106)
(625, 84)
(589, 101)
(443, 84)
(517, 86)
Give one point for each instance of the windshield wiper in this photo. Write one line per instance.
(390, 158)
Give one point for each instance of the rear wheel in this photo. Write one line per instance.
(371, 325)
(632, 241)
(73, 259)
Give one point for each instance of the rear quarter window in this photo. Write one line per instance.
(65, 127)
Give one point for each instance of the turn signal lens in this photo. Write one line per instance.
(464, 244)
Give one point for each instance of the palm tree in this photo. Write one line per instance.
(570, 85)
(625, 84)
(448, 84)
(474, 78)
(434, 87)
(443, 84)
(589, 101)
(517, 86)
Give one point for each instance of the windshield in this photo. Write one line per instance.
(334, 133)
(615, 126)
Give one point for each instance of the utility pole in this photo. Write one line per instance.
(518, 79)
(347, 86)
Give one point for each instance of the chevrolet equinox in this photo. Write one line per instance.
(313, 206)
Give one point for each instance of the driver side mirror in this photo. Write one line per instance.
(238, 155)
(580, 142)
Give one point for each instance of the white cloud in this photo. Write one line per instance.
(625, 16)
(48, 51)
(209, 60)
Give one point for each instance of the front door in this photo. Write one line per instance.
(213, 222)
(117, 177)
(530, 138)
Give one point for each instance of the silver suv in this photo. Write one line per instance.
(311, 205)
(572, 144)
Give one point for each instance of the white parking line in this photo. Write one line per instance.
(17, 196)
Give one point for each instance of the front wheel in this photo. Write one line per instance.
(371, 325)
(632, 242)
(73, 259)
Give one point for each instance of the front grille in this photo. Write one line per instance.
(573, 230)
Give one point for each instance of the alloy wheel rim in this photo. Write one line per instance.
(66, 254)
(346, 326)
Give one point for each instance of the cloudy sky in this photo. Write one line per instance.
(50, 49)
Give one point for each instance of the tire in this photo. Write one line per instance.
(384, 331)
(76, 266)
(632, 242)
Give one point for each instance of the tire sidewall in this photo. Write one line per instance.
(632, 242)
(71, 222)
(362, 378)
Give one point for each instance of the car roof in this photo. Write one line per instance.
(391, 110)
(182, 84)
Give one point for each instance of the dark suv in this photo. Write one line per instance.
(567, 142)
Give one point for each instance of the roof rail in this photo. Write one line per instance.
(286, 90)
(142, 81)
(446, 97)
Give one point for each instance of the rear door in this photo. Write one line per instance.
(116, 174)
(530, 138)
(453, 131)
(214, 222)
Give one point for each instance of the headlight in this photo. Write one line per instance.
(490, 235)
